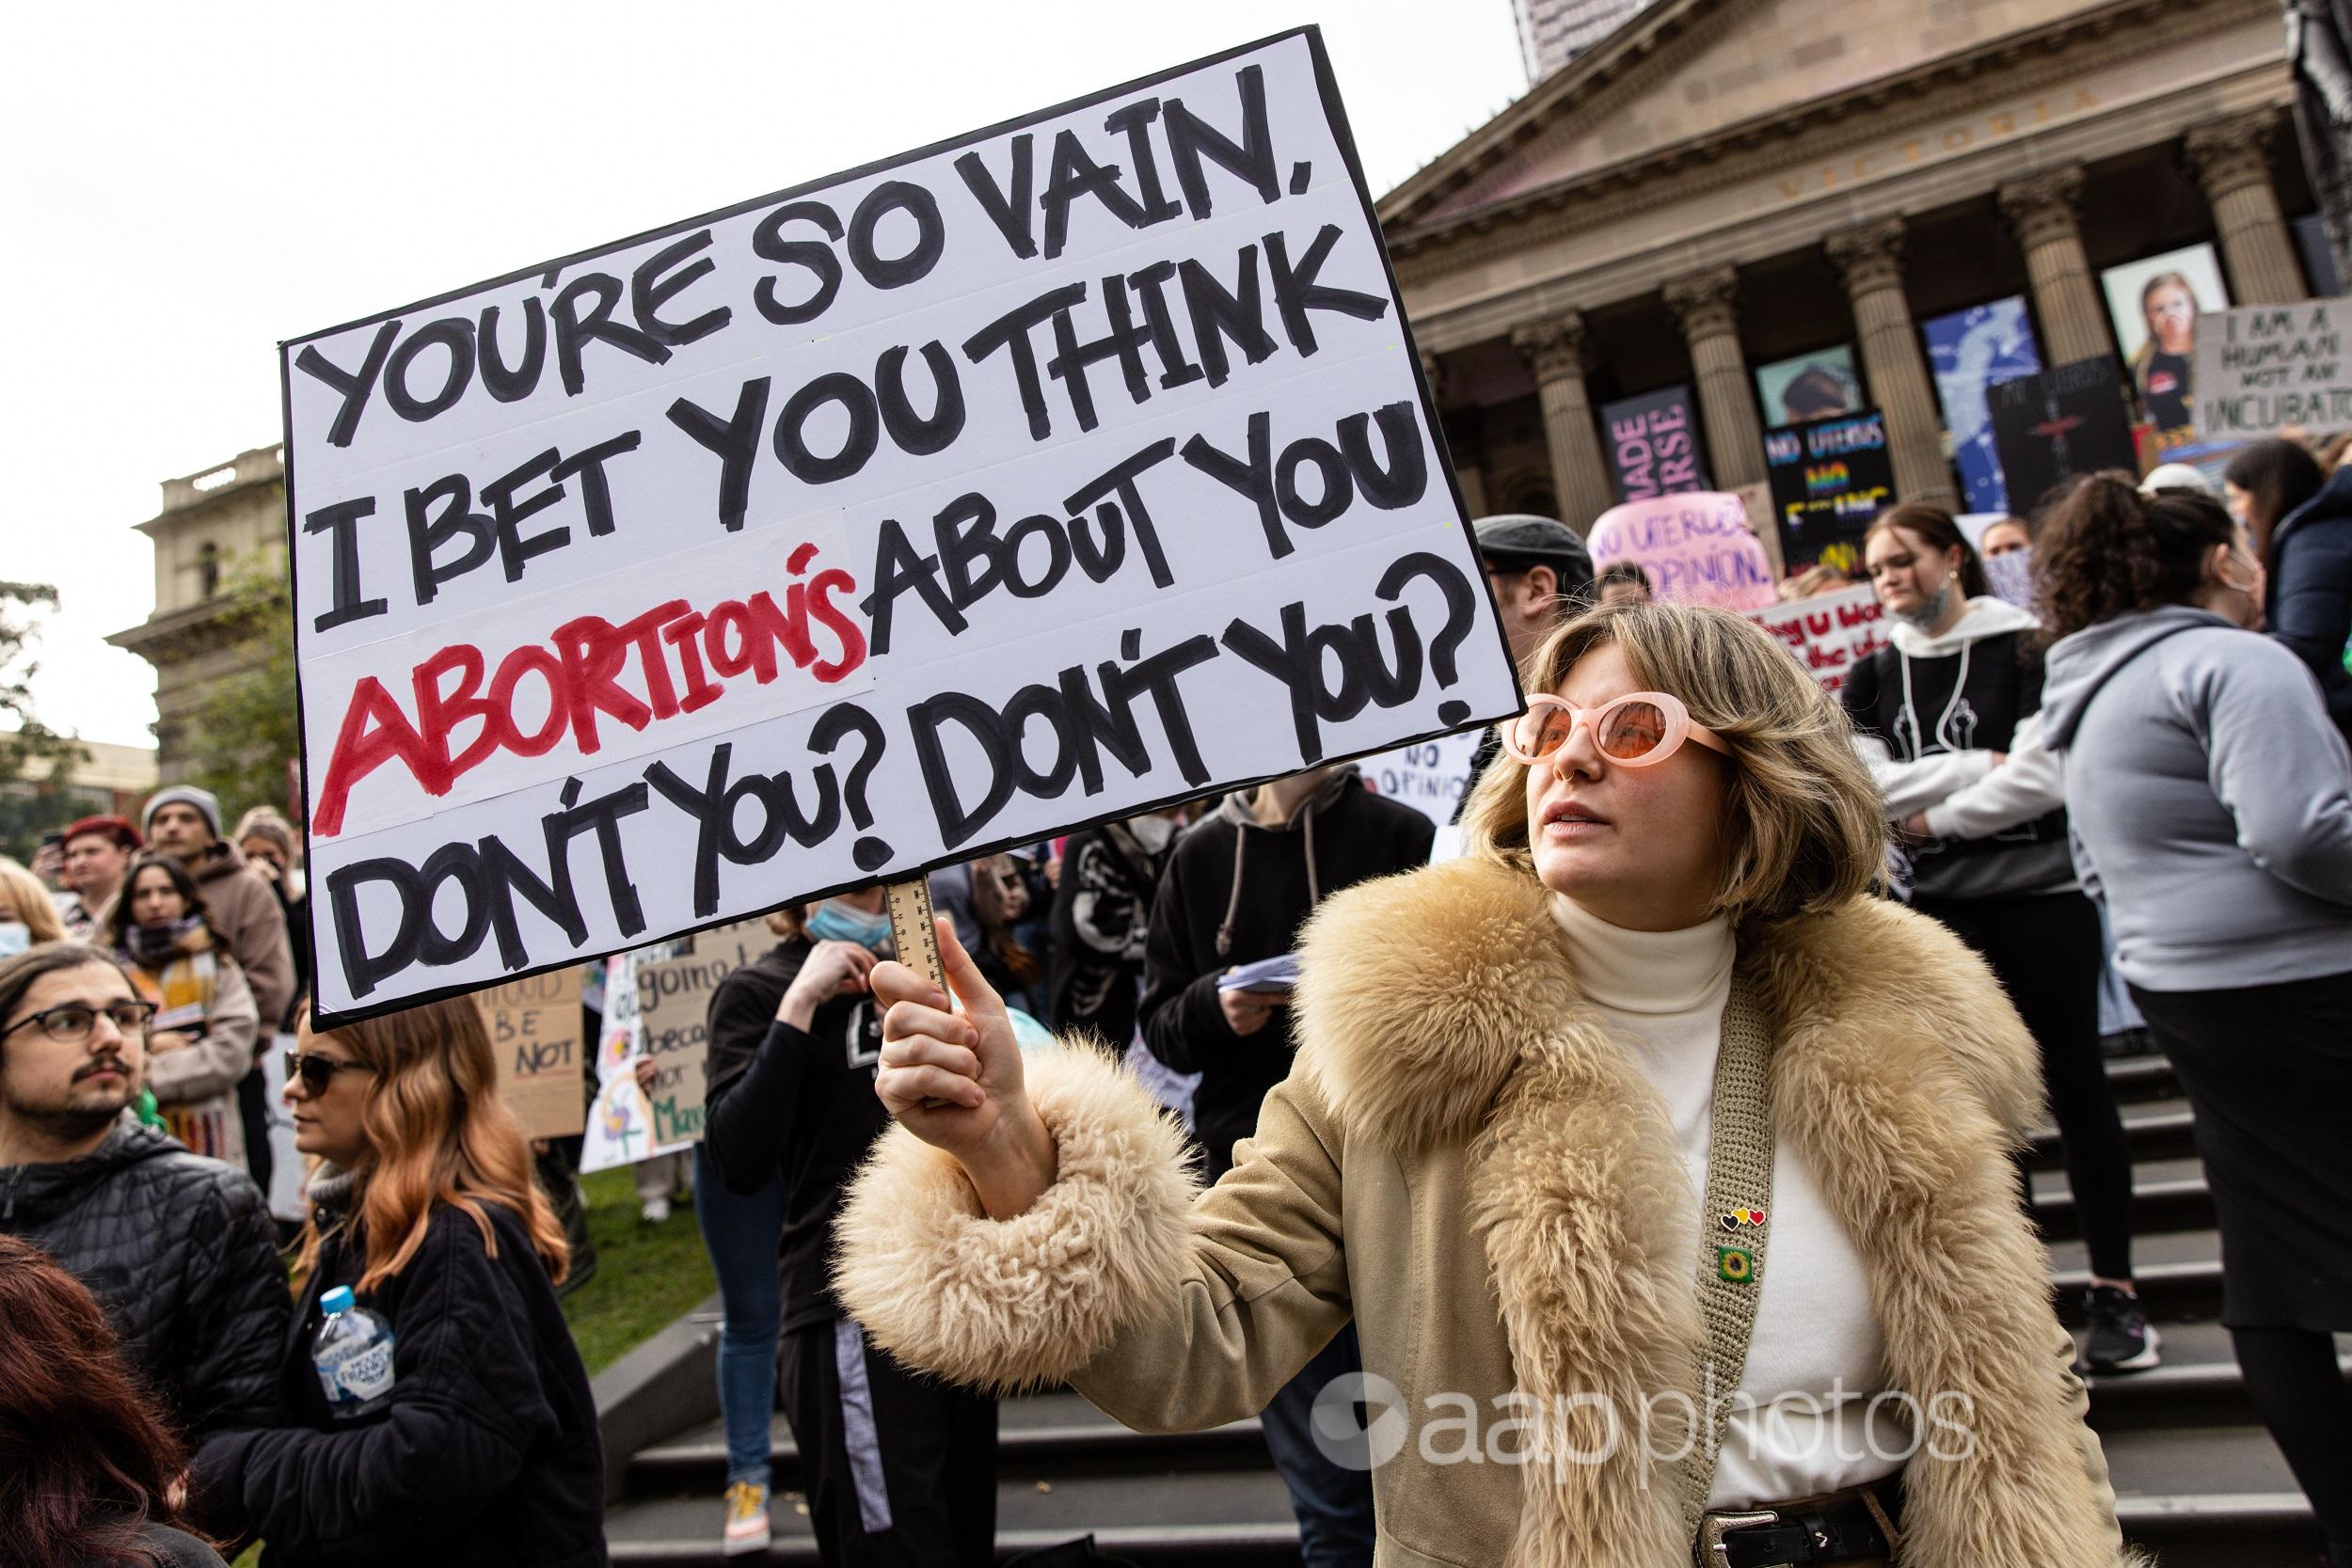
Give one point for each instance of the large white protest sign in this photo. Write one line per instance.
(1828, 633)
(2268, 367)
(1036, 478)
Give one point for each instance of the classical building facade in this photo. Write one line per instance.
(1723, 183)
(214, 525)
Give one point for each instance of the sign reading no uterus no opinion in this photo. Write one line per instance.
(1029, 480)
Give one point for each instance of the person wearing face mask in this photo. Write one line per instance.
(2211, 799)
(1644, 1093)
(27, 914)
(1938, 711)
(896, 1468)
(2300, 523)
(202, 1047)
(2007, 547)
(1102, 915)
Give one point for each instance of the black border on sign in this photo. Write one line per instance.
(1336, 115)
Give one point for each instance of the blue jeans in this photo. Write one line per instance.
(742, 1234)
(1333, 1502)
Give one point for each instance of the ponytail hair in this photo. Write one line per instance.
(2107, 550)
(1934, 528)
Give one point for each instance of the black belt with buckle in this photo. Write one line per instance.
(1770, 1538)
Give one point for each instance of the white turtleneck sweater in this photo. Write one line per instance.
(1818, 1354)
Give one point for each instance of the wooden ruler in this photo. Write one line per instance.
(915, 929)
(916, 933)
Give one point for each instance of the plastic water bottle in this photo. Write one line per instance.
(354, 1356)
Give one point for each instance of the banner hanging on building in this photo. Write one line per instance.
(1822, 385)
(1653, 445)
(1972, 351)
(2061, 422)
(1697, 548)
(2267, 367)
(1829, 478)
(1029, 480)
(2154, 303)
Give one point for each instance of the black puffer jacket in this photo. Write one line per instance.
(179, 1250)
(488, 1454)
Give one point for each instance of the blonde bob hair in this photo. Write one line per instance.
(1803, 831)
(437, 1134)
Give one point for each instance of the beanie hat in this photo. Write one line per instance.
(207, 805)
(118, 828)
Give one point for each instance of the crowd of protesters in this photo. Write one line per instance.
(2104, 746)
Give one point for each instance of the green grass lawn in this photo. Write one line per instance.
(646, 1276)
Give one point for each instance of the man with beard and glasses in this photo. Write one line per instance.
(176, 1247)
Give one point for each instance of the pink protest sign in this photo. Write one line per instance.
(1697, 548)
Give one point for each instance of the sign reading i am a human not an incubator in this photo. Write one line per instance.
(1040, 477)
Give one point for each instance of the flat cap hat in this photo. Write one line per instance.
(1519, 536)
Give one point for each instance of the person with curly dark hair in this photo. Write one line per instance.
(90, 1477)
(2211, 799)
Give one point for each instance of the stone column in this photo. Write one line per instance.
(1554, 350)
(1735, 438)
(1869, 259)
(2040, 212)
(2228, 160)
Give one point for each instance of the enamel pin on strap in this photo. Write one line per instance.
(1735, 1227)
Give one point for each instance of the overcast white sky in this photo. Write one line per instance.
(185, 185)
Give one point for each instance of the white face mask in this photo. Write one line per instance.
(15, 937)
(1930, 610)
(1152, 833)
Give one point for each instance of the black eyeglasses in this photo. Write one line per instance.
(317, 1071)
(71, 1023)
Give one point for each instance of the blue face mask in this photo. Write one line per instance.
(833, 920)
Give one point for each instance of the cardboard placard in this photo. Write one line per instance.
(673, 1006)
(534, 1026)
(1829, 478)
(2264, 369)
(1697, 548)
(1030, 480)
(1830, 633)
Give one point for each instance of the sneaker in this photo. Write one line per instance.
(656, 1212)
(2120, 1338)
(747, 1519)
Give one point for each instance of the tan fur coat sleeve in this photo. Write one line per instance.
(1167, 1313)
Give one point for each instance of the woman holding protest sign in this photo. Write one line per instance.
(474, 1440)
(205, 1020)
(1655, 972)
(897, 1467)
(2211, 803)
(1945, 714)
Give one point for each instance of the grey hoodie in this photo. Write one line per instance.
(2211, 799)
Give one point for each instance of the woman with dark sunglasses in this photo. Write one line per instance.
(1640, 1108)
(422, 1206)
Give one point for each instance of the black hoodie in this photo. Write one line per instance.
(1203, 924)
(180, 1251)
(489, 1452)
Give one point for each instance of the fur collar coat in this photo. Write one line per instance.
(1468, 1165)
